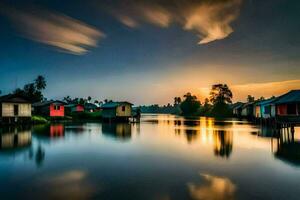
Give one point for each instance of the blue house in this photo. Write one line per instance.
(267, 108)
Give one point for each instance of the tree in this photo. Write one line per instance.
(89, 99)
(220, 97)
(250, 99)
(40, 83)
(177, 101)
(82, 101)
(261, 98)
(220, 93)
(67, 99)
(190, 105)
(205, 109)
(33, 91)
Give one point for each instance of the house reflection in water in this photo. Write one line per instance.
(223, 141)
(288, 149)
(15, 137)
(57, 130)
(52, 131)
(118, 130)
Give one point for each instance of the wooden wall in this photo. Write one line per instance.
(8, 110)
(125, 113)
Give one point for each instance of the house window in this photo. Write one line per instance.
(291, 109)
(16, 110)
(123, 108)
(56, 107)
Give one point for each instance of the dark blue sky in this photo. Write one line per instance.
(148, 52)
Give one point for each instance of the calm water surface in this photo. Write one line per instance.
(164, 157)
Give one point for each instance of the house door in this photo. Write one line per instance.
(16, 110)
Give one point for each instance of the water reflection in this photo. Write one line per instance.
(223, 143)
(191, 135)
(214, 188)
(161, 161)
(121, 131)
(13, 138)
(208, 130)
(50, 130)
(288, 149)
(283, 144)
(72, 184)
(39, 156)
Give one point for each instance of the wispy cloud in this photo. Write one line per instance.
(210, 19)
(54, 29)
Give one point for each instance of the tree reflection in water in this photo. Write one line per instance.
(206, 127)
(191, 134)
(223, 143)
(39, 156)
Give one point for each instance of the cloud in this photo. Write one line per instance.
(132, 14)
(210, 19)
(156, 15)
(128, 21)
(73, 184)
(215, 188)
(54, 29)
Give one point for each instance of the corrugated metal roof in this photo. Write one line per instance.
(14, 98)
(114, 104)
(46, 103)
(90, 106)
(248, 104)
(268, 101)
(237, 105)
(292, 96)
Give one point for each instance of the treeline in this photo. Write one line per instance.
(166, 109)
(217, 105)
(33, 91)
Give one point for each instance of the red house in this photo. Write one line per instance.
(49, 108)
(288, 106)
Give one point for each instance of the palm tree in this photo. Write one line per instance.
(40, 83)
(250, 98)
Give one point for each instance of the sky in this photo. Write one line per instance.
(148, 52)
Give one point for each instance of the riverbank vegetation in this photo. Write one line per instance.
(39, 119)
(86, 116)
(216, 105)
